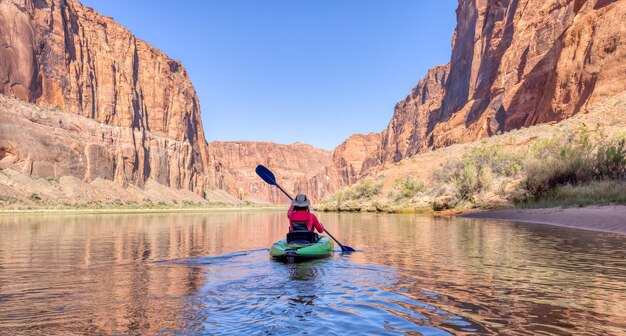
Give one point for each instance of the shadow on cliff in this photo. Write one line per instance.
(532, 103)
(458, 84)
(487, 70)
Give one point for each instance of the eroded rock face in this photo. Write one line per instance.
(415, 116)
(515, 63)
(59, 53)
(299, 168)
(348, 163)
(292, 164)
(68, 158)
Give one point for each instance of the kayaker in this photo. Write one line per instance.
(300, 218)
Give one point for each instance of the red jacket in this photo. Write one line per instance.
(304, 216)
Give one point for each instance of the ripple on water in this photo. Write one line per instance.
(73, 275)
(245, 292)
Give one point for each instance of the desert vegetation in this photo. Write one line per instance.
(367, 196)
(354, 198)
(572, 167)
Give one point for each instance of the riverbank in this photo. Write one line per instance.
(610, 218)
(86, 211)
(580, 161)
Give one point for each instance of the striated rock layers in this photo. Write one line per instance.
(347, 165)
(300, 168)
(515, 63)
(61, 54)
(292, 164)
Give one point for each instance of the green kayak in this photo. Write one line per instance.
(298, 251)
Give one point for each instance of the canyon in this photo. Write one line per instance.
(87, 101)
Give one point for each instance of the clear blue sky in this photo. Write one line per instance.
(313, 71)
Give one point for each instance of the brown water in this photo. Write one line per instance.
(211, 274)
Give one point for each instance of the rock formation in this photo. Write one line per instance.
(59, 53)
(515, 63)
(414, 116)
(347, 165)
(300, 168)
(292, 164)
(74, 155)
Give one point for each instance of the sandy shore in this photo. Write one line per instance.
(599, 218)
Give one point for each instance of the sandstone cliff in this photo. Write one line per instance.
(59, 53)
(347, 165)
(300, 168)
(515, 63)
(414, 116)
(72, 147)
(292, 164)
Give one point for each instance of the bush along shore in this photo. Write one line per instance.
(574, 167)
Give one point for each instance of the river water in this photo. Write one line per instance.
(180, 274)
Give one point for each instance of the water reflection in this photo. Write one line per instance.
(506, 278)
(210, 273)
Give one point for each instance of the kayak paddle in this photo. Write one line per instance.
(270, 179)
(344, 248)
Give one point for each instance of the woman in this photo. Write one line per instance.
(300, 218)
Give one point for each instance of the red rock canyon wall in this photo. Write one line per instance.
(59, 53)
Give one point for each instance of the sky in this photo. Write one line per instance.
(285, 71)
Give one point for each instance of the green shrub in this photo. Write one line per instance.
(471, 181)
(496, 158)
(595, 192)
(610, 160)
(352, 198)
(474, 172)
(406, 187)
(576, 159)
(364, 190)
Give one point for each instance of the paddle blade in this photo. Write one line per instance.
(345, 248)
(265, 174)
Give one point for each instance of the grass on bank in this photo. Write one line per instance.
(366, 196)
(146, 205)
(575, 168)
(478, 171)
(405, 189)
(353, 198)
(592, 193)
